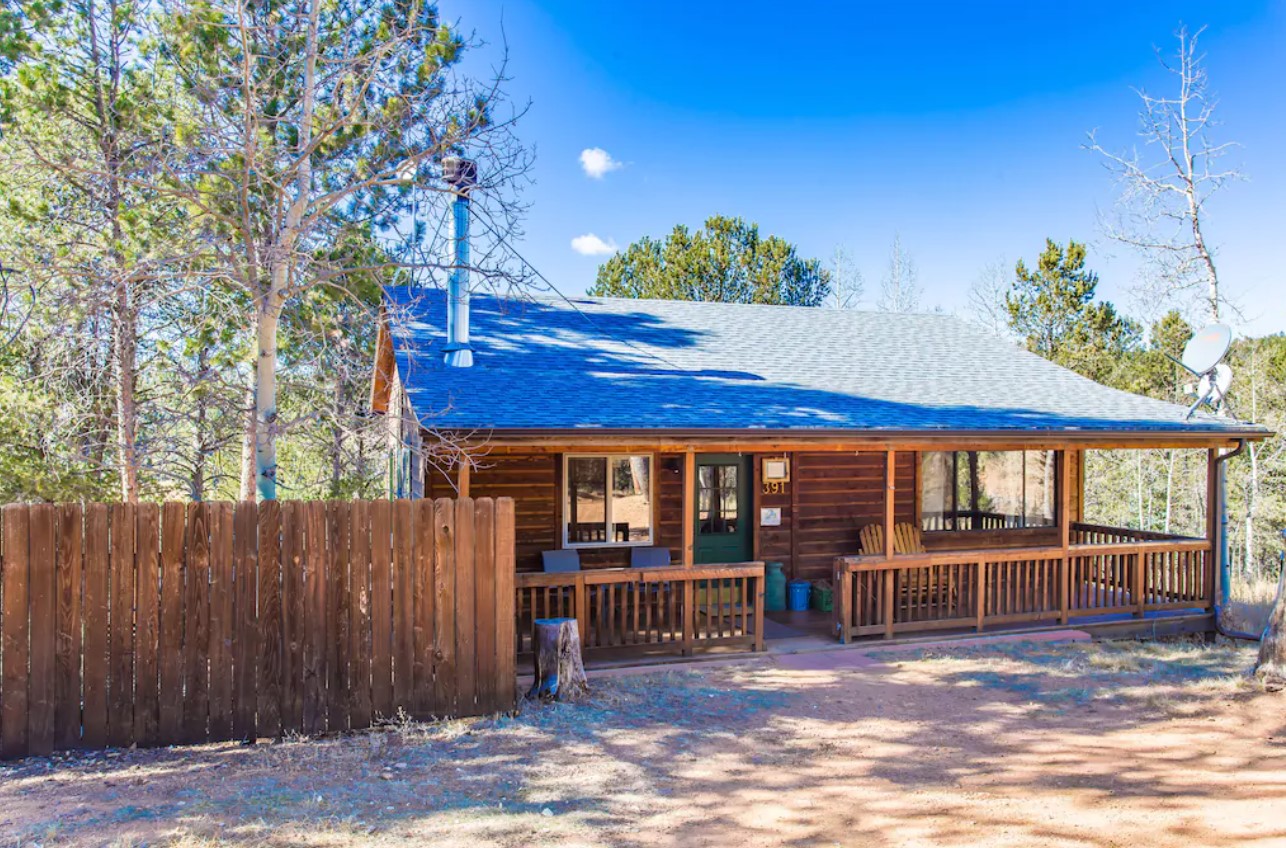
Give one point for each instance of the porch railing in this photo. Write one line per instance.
(671, 608)
(922, 592)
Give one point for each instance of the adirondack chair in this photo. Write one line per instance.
(911, 591)
(906, 539)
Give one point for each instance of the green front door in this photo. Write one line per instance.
(724, 522)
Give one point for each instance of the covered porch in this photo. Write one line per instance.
(977, 560)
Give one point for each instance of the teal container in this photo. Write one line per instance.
(774, 587)
(797, 592)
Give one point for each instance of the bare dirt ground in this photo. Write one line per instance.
(1118, 744)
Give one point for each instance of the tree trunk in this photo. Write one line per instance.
(266, 396)
(247, 488)
(1271, 665)
(560, 674)
(126, 355)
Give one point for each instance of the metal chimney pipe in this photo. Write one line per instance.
(462, 176)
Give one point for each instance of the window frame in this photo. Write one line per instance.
(565, 502)
(957, 466)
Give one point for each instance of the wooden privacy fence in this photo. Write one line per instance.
(179, 623)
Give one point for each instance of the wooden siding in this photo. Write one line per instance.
(829, 498)
(831, 495)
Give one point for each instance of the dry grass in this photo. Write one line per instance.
(1251, 600)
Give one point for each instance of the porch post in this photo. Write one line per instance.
(463, 483)
(1214, 516)
(890, 479)
(689, 507)
(1063, 481)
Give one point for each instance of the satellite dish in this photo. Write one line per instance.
(1203, 356)
(1207, 348)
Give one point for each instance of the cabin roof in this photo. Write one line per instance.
(623, 364)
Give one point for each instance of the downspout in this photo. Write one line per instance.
(1225, 570)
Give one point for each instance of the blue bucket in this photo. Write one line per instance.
(797, 595)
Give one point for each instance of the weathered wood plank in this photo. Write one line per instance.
(506, 677)
(271, 648)
(444, 625)
(196, 625)
(337, 532)
(403, 605)
(382, 609)
(222, 595)
(120, 684)
(465, 639)
(245, 635)
(42, 558)
(292, 616)
(16, 635)
(486, 660)
(67, 691)
(95, 608)
(314, 682)
(171, 650)
(359, 620)
(147, 567)
(424, 592)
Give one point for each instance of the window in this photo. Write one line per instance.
(717, 499)
(607, 500)
(987, 490)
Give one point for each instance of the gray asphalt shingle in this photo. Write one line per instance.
(610, 363)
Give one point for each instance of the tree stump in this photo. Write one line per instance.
(1271, 666)
(560, 674)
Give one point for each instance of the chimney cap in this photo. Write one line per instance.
(460, 173)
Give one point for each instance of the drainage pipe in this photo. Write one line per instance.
(1225, 570)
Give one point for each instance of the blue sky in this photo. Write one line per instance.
(956, 125)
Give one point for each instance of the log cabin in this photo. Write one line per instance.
(661, 452)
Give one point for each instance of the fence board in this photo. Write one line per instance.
(381, 609)
(41, 551)
(221, 612)
(444, 574)
(148, 619)
(196, 624)
(292, 611)
(359, 620)
(403, 604)
(173, 536)
(120, 683)
(245, 633)
(484, 607)
(268, 715)
(423, 629)
(13, 714)
(465, 639)
(314, 619)
(337, 532)
(94, 606)
(156, 624)
(67, 693)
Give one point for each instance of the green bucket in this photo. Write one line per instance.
(821, 596)
(774, 587)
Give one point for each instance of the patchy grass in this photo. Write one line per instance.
(1250, 603)
(747, 754)
(1171, 675)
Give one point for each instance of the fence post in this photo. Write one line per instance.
(980, 599)
(689, 598)
(844, 601)
(889, 577)
(1137, 585)
(1064, 586)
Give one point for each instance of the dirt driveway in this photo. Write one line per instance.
(1008, 745)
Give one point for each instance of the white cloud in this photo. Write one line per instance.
(591, 245)
(597, 162)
